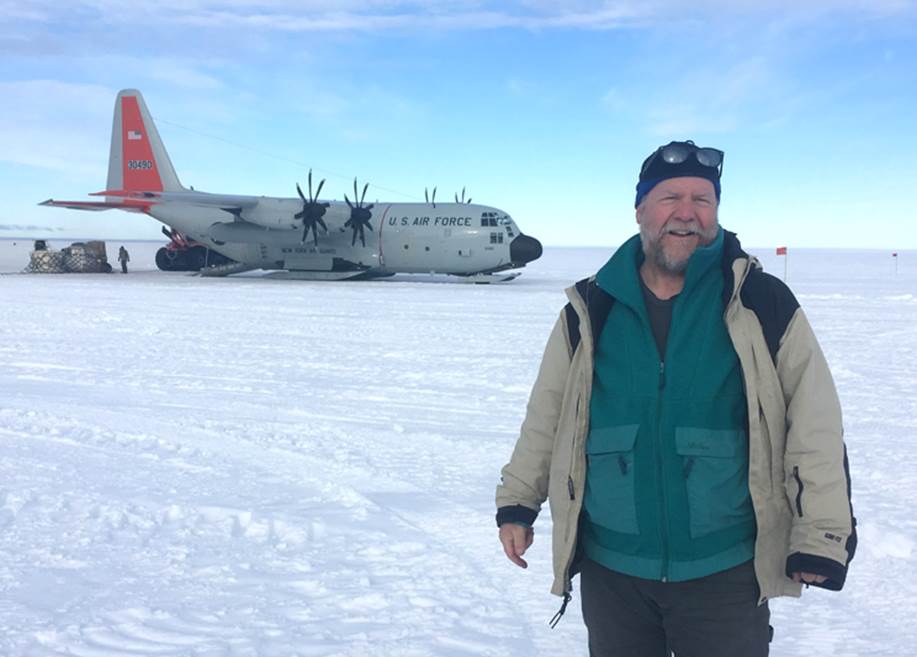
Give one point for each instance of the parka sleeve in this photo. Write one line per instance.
(823, 535)
(524, 480)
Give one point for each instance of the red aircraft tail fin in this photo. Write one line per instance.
(138, 160)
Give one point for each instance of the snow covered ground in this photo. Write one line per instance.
(250, 466)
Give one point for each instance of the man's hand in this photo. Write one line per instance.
(808, 578)
(516, 540)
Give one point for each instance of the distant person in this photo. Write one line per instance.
(685, 428)
(123, 257)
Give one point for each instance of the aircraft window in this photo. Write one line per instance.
(426, 248)
(496, 238)
(489, 219)
(405, 246)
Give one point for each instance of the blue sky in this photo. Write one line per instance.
(542, 109)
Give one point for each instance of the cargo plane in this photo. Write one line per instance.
(307, 236)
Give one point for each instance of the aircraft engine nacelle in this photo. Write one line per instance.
(276, 213)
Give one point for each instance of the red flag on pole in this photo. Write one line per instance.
(781, 250)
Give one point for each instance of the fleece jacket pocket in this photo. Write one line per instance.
(610, 498)
(715, 467)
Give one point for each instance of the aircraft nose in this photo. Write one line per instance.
(524, 249)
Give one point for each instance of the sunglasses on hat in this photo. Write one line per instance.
(677, 152)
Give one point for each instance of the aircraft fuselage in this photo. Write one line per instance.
(458, 238)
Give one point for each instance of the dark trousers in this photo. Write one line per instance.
(124, 266)
(713, 616)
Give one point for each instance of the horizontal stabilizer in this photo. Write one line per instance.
(125, 193)
(191, 197)
(97, 206)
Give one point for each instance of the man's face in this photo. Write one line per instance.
(677, 216)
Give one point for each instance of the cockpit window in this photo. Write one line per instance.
(489, 219)
(508, 223)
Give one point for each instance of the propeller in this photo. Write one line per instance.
(463, 197)
(312, 211)
(428, 198)
(360, 215)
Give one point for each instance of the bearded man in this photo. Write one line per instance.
(685, 428)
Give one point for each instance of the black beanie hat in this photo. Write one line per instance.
(659, 170)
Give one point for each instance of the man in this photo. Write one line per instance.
(124, 258)
(687, 433)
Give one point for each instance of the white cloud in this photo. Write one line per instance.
(346, 21)
(716, 101)
(65, 127)
(614, 100)
(56, 125)
(12, 11)
(347, 15)
(29, 228)
(520, 87)
(371, 15)
(179, 74)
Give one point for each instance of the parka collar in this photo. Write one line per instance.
(736, 266)
(619, 276)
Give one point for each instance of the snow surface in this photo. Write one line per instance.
(249, 466)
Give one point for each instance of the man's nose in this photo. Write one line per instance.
(684, 210)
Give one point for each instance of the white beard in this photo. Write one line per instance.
(669, 263)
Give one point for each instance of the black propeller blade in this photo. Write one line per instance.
(463, 197)
(360, 215)
(427, 198)
(312, 211)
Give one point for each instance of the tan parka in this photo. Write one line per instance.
(797, 475)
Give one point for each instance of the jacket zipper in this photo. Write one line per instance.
(570, 487)
(663, 529)
(572, 491)
(799, 491)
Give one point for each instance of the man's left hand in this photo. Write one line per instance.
(808, 578)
